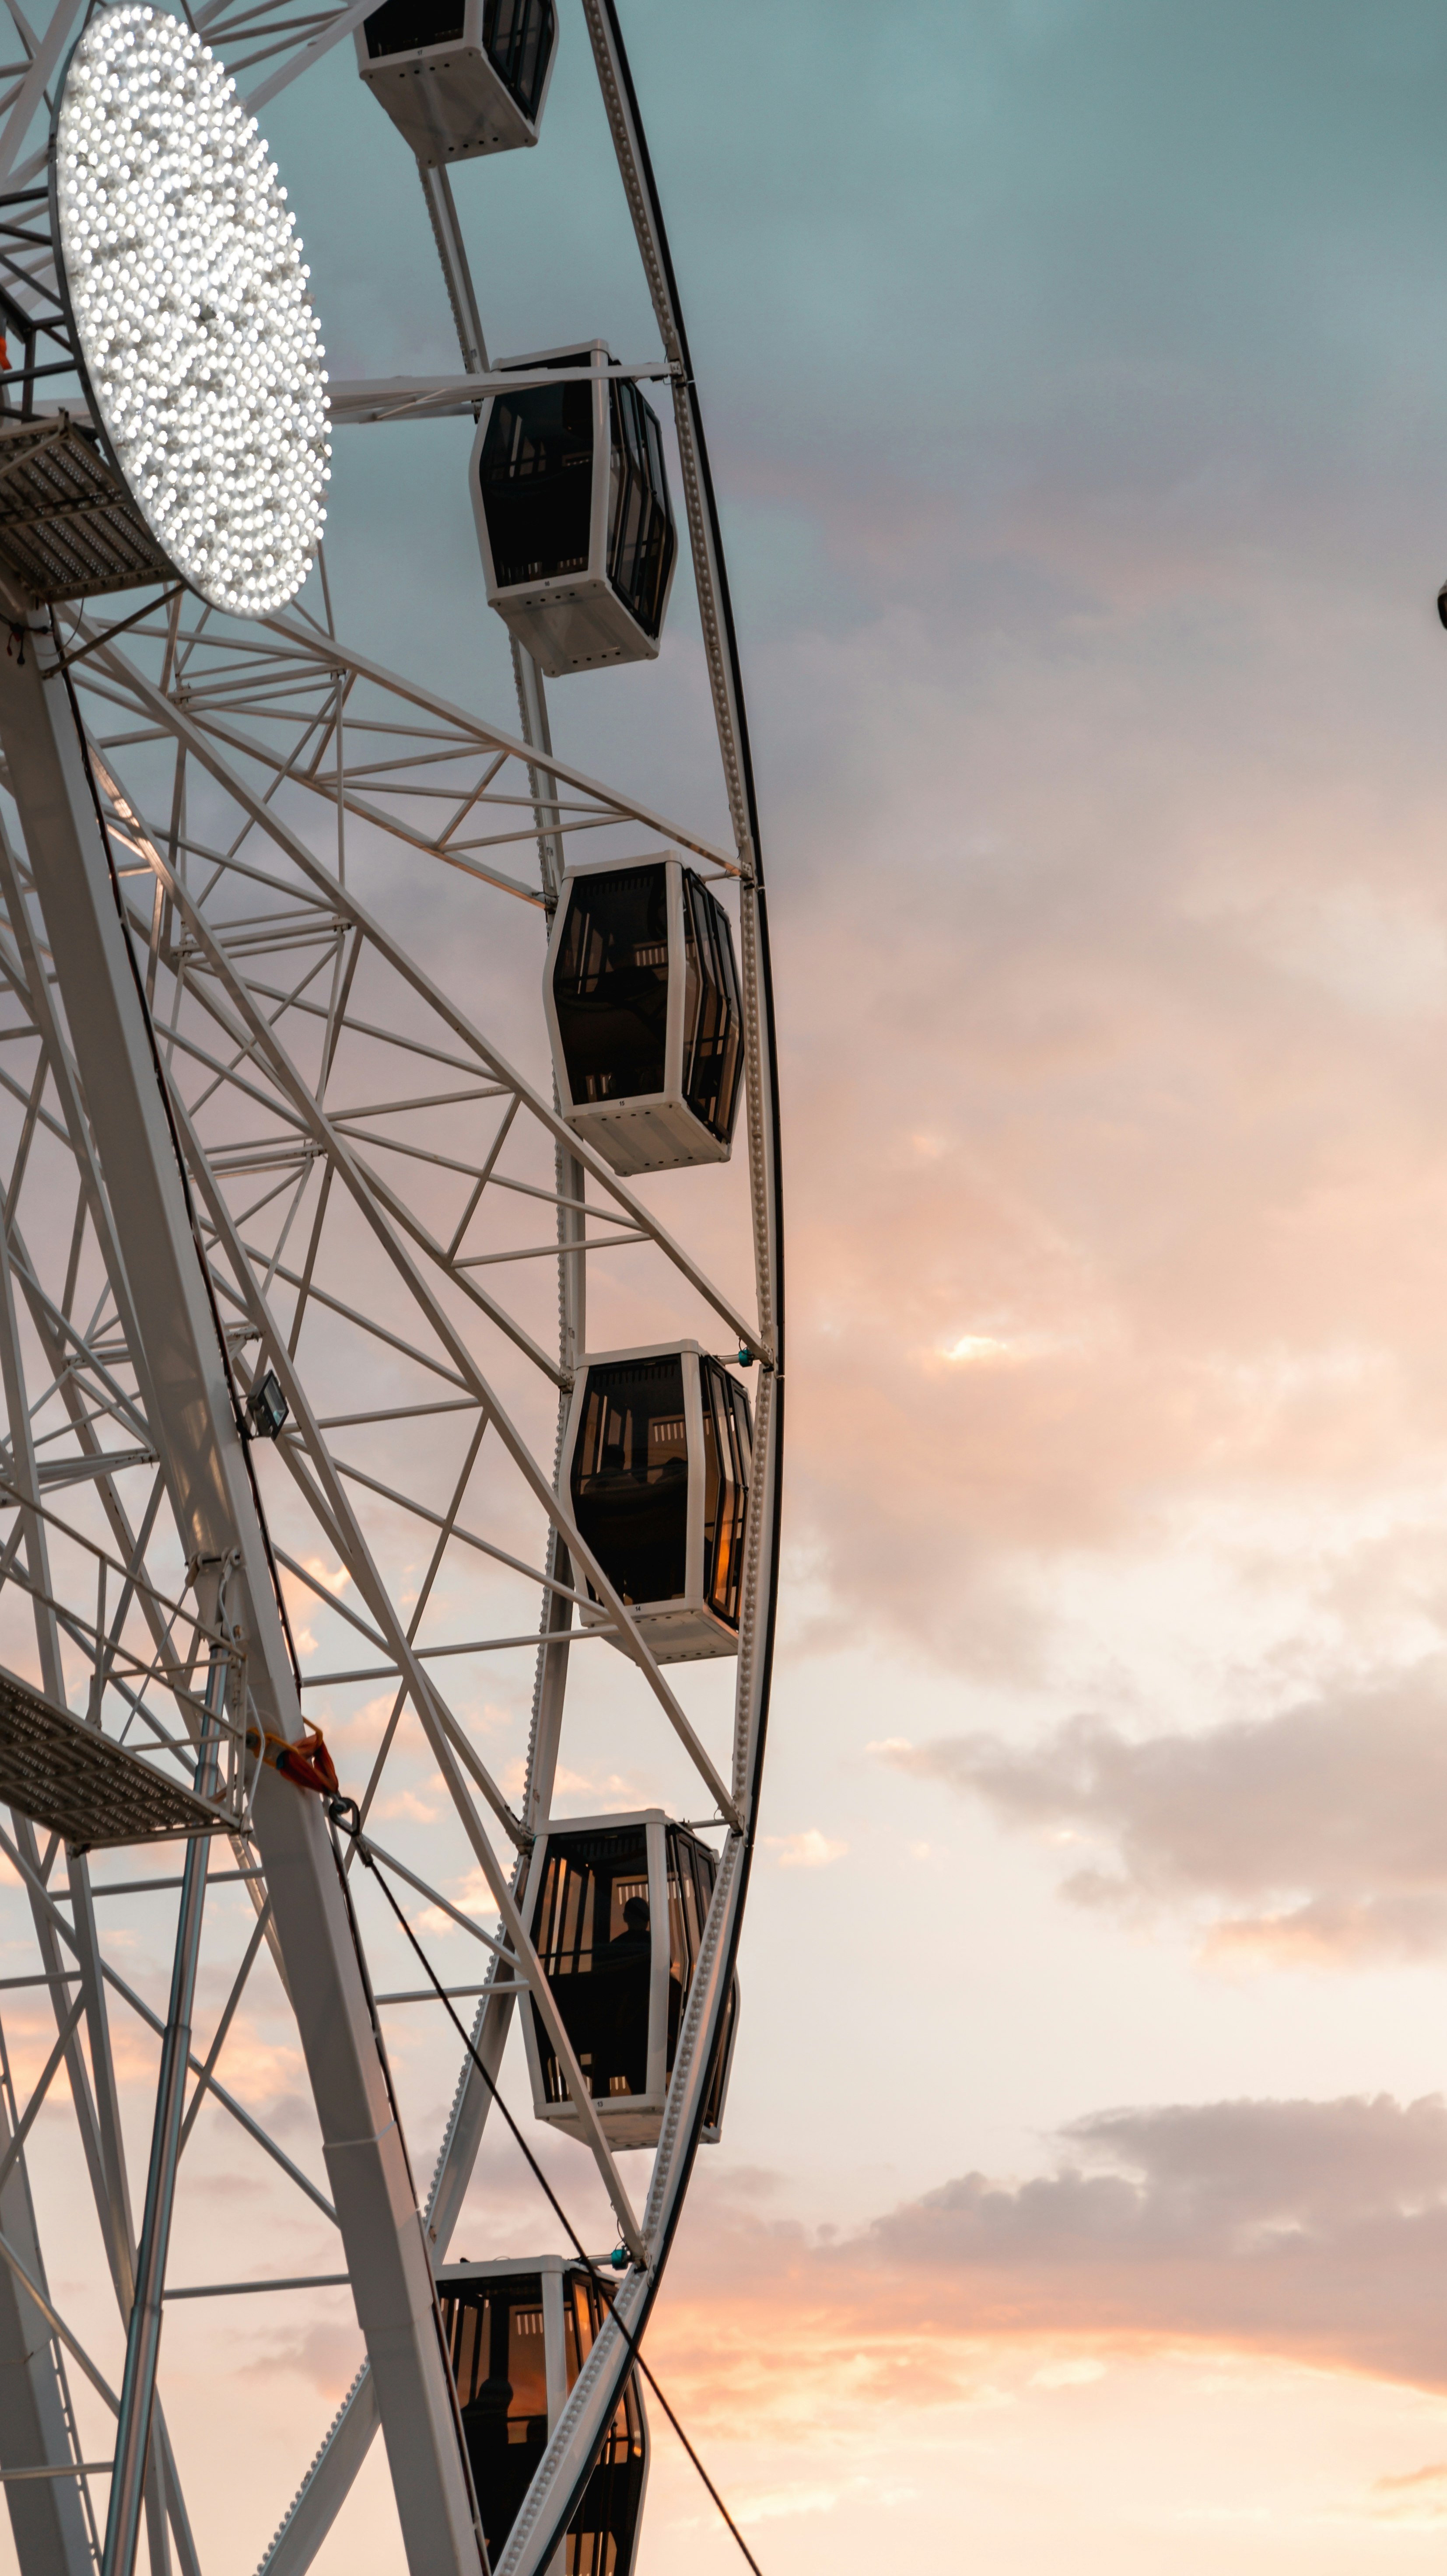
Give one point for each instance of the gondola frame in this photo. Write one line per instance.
(655, 1131)
(449, 101)
(630, 2119)
(573, 621)
(553, 2272)
(686, 1628)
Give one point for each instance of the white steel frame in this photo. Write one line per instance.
(249, 1130)
(632, 2119)
(688, 1629)
(652, 1131)
(446, 100)
(568, 621)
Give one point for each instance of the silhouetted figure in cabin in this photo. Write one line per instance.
(625, 1969)
(502, 2466)
(484, 2421)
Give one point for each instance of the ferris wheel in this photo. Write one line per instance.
(367, 1333)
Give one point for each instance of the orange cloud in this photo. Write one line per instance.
(1307, 2232)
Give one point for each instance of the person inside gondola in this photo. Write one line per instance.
(503, 2450)
(620, 2059)
(484, 2422)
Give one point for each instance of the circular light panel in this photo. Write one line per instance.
(190, 301)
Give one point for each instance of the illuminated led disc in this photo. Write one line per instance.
(190, 300)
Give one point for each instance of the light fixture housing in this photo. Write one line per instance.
(187, 293)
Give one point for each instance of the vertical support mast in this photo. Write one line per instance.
(143, 2341)
(182, 1370)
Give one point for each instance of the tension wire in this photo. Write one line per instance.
(343, 1813)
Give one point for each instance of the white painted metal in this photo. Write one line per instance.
(656, 1131)
(688, 1629)
(446, 100)
(190, 1407)
(568, 621)
(383, 1205)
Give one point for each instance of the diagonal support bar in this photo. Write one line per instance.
(143, 2341)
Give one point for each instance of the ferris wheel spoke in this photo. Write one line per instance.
(45, 56)
(42, 2431)
(381, 2286)
(378, 1205)
(335, 1518)
(98, 1972)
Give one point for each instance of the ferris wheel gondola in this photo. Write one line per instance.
(645, 1015)
(573, 513)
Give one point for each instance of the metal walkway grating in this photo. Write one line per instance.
(68, 528)
(80, 1784)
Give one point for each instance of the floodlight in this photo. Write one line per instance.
(267, 1408)
(197, 342)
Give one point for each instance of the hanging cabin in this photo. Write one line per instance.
(517, 2335)
(573, 515)
(617, 1915)
(460, 77)
(656, 1463)
(641, 996)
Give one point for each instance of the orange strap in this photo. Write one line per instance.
(308, 1762)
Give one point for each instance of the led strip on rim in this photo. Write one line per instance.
(200, 350)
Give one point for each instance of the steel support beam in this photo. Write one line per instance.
(46, 2514)
(143, 2340)
(182, 1369)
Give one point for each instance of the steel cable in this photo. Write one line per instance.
(343, 1813)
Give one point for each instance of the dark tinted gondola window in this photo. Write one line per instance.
(691, 1867)
(601, 2532)
(641, 536)
(727, 1466)
(713, 1013)
(517, 38)
(610, 984)
(630, 1477)
(592, 1931)
(496, 2345)
(537, 481)
(406, 26)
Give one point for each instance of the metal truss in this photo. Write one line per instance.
(262, 1114)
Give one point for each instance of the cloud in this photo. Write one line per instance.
(1299, 2231)
(1434, 2474)
(471, 1895)
(810, 1850)
(1308, 1836)
(325, 2355)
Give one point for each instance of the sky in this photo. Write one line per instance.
(1076, 378)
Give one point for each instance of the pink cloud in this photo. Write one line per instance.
(1309, 2232)
(1306, 1837)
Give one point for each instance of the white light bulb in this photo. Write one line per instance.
(190, 302)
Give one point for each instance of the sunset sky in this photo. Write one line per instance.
(1078, 370)
(1076, 375)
